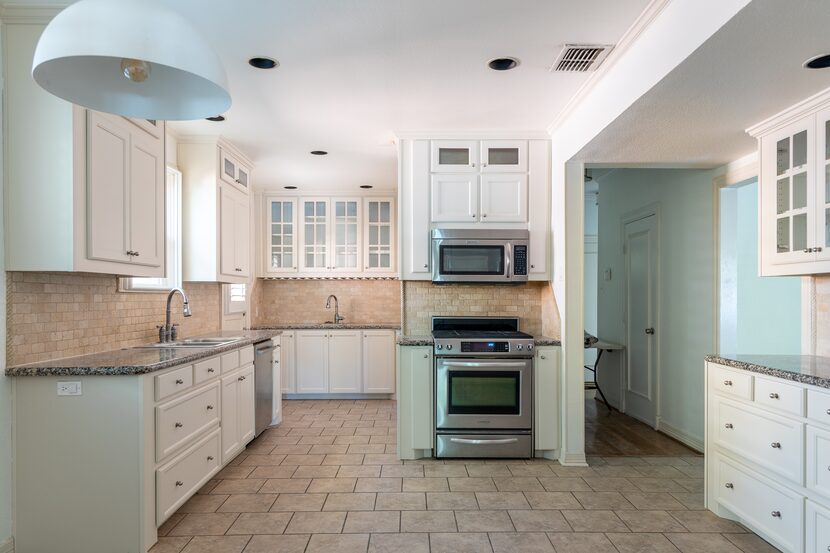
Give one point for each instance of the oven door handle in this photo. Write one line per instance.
(467, 441)
(474, 364)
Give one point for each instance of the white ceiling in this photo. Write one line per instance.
(748, 71)
(354, 71)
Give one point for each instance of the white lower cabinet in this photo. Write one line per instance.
(183, 476)
(312, 361)
(237, 411)
(767, 464)
(415, 403)
(344, 362)
(378, 362)
(286, 356)
(546, 389)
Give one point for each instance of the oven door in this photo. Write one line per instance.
(477, 394)
(471, 260)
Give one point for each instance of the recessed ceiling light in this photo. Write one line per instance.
(502, 64)
(290, 187)
(216, 118)
(366, 186)
(263, 63)
(319, 153)
(818, 62)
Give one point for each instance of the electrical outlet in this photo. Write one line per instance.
(70, 388)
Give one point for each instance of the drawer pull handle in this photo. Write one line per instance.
(179, 425)
(210, 407)
(773, 395)
(828, 411)
(241, 378)
(728, 425)
(179, 381)
(727, 382)
(211, 370)
(729, 486)
(210, 457)
(776, 514)
(775, 445)
(179, 483)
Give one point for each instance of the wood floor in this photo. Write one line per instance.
(609, 433)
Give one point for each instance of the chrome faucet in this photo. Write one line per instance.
(337, 317)
(167, 333)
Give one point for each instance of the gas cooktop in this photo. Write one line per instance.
(480, 336)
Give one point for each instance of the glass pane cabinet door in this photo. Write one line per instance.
(794, 194)
(378, 235)
(282, 227)
(346, 226)
(315, 231)
(454, 156)
(504, 156)
(823, 186)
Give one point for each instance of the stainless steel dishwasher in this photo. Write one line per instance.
(264, 381)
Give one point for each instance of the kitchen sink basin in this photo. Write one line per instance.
(209, 342)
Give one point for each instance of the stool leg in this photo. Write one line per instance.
(596, 368)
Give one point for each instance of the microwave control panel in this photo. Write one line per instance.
(519, 260)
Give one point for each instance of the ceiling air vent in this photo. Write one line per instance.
(581, 57)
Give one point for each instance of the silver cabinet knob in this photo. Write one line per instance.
(179, 381)
(211, 370)
(776, 514)
(484, 215)
(808, 250)
(179, 483)
(773, 396)
(828, 411)
(817, 250)
(729, 486)
(179, 425)
(241, 378)
(426, 356)
(727, 382)
(210, 458)
(210, 407)
(728, 425)
(775, 445)
(426, 265)
(543, 357)
(474, 215)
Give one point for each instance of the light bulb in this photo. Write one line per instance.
(136, 71)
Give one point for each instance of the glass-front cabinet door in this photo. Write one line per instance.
(789, 160)
(454, 156)
(504, 156)
(346, 234)
(378, 247)
(314, 255)
(282, 234)
(822, 247)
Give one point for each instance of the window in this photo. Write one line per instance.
(172, 245)
(235, 298)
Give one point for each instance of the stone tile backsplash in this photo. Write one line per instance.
(53, 315)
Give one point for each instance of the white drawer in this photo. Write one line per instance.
(205, 370)
(780, 395)
(176, 381)
(181, 420)
(230, 361)
(817, 528)
(770, 440)
(818, 460)
(179, 479)
(818, 406)
(772, 511)
(246, 356)
(730, 382)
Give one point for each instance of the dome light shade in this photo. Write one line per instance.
(131, 57)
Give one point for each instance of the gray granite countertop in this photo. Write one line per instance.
(132, 361)
(546, 341)
(808, 369)
(415, 340)
(331, 326)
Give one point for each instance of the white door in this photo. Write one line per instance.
(378, 361)
(286, 358)
(242, 235)
(503, 198)
(147, 199)
(108, 158)
(504, 156)
(230, 418)
(454, 156)
(641, 319)
(345, 237)
(227, 232)
(246, 402)
(344, 362)
(315, 235)
(454, 198)
(312, 356)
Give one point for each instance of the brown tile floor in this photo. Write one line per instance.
(328, 480)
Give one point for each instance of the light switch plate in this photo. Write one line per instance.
(72, 388)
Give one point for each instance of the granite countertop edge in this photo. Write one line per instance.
(331, 326)
(117, 362)
(792, 375)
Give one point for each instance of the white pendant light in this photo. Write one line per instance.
(131, 57)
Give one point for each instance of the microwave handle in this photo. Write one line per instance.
(508, 253)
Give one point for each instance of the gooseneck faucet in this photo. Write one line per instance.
(337, 316)
(167, 333)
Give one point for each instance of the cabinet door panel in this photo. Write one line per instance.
(454, 198)
(314, 233)
(147, 200)
(539, 211)
(503, 198)
(246, 400)
(227, 232)
(345, 235)
(108, 173)
(281, 235)
(378, 361)
(312, 361)
(242, 234)
(504, 156)
(415, 242)
(454, 156)
(378, 240)
(287, 364)
(231, 443)
(344, 362)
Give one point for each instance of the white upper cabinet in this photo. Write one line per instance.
(280, 236)
(315, 235)
(233, 171)
(345, 237)
(455, 156)
(794, 189)
(216, 213)
(504, 156)
(378, 229)
(504, 198)
(454, 198)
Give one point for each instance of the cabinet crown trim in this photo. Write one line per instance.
(790, 114)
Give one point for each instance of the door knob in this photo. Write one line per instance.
(649, 331)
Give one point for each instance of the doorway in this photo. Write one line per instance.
(641, 378)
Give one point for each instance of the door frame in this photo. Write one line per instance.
(652, 209)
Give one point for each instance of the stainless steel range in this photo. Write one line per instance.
(483, 387)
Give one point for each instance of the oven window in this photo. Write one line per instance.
(484, 392)
(472, 260)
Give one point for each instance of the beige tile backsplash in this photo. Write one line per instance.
(423, 300)
(285, 302)
(53, 315)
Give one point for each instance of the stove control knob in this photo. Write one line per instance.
(439, 346)
(449, 346)
(519, 347)
(529, 347)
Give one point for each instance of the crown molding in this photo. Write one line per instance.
(473, 135)
(21, 14)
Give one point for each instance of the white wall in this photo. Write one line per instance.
(686, 281)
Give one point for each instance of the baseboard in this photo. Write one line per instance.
(572, 459)
(7, 546)
(680, 436)
(337, 396)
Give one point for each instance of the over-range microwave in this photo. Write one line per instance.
(480, 255)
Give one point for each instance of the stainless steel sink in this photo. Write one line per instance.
(208, 342)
